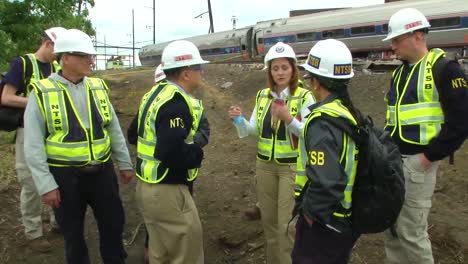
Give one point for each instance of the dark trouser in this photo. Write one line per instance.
(100, 190)
(318, 244)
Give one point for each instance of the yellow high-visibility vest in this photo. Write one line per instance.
(274, 142)
(148, 168)
(69, 142)
(416, 113)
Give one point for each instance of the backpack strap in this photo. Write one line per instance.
(342, 124)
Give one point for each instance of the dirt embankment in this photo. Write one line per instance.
(226, 182)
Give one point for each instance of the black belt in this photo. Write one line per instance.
(92, 168)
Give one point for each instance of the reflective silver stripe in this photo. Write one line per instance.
(422, 119)
(100, 141)
(68, 158)
(286, 155)
(346, 204)
(154, 171)
(60, 93)
(146, 142)
(145, 157)
(391, 117)
(283, 143)
(36, 71)
(300, 173)
(350, 159)
(46, 102)
(349, 188)
(422, 69)
(265, 140)
(69, 145)
(423, 134)
(264, 153)
(419, 106)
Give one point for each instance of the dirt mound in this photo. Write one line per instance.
(225, 186)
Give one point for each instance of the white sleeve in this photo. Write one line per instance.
(296, 126)
(252, 123)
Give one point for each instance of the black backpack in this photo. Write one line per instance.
(10, 117)
(379, 187)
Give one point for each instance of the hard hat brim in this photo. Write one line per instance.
(181, 66)
(310, 69)
(392, 36)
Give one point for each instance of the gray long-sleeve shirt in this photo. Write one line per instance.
(35, 134)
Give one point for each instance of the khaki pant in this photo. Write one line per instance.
(412, 246)
(275, 194)
(30, 201)
(173, 224)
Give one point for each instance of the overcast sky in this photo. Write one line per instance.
(175, 18)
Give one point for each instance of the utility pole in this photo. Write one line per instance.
(105, 55)
(211, 30)
(154, 21)
(133, 36)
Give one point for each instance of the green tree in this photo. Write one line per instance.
(22, 23)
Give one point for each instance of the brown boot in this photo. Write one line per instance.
(40, 244)
(253, 213)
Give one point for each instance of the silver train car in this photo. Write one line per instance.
(362, 29)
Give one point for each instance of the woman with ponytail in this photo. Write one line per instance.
(328, 159)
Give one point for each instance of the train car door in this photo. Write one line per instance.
(258, 45)
(246, 45)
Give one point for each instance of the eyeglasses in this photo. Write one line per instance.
(401, 38)
(82, 55)
(197, 67)
(307, 76)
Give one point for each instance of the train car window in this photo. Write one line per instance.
(243, 47)
(335, 33)
(362, 30)
(260, 40)
(384, 28)
(309, 36)
(444, 22)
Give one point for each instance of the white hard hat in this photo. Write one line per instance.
(404, 21)
(279, 50)
(159, 74)
(330, 58)
(54, 32)
(181, 53)
(74, 40)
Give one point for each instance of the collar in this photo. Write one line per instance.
(178, 87)
(327, 100)
(283, 95)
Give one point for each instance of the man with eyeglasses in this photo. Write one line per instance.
(71, 133)
(167, 159)
(427, 106)
(24, 70)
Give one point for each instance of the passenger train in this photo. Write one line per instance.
(362, 29)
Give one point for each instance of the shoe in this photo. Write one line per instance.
(146, 256)
(40, 244)
(253, 213)
(55, 229)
